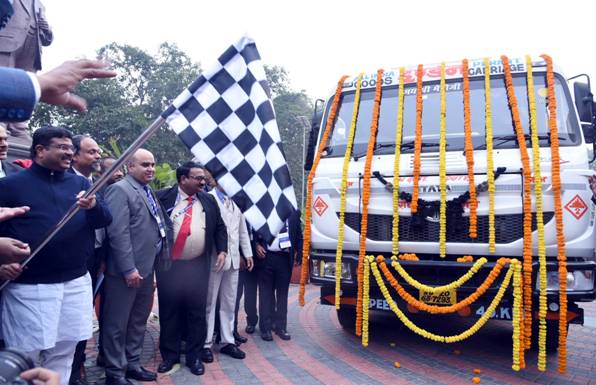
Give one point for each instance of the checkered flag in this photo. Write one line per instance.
(226, 119)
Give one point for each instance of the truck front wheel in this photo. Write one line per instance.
(346, 315)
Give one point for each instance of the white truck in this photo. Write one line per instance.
(419, 234)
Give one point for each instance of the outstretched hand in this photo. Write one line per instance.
(57, 84)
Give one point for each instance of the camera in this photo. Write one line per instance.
(12, 364)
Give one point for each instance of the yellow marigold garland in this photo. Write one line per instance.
(396, 159)
(556, 187)
(311, 175)
(527, 250)
(490, 164)
(480, 290)
(366, 196)
(517, 320)
(539, 219)
(443, 168)
(366, 301)
(418, 139)
(469, 147)
(447, 339)
(436, 289)
(344, 189)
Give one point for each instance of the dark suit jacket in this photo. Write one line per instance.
(216, 235)
(10, 168)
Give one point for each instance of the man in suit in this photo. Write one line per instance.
(277, 260)
(85, 162)
(6, 168)
(199, 233)
(223, 282)
(138, 236)
(20, 45)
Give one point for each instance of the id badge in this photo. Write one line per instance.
(162, 232)
(284, 240)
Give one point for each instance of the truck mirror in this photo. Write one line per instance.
(584, 101)
(314, 133)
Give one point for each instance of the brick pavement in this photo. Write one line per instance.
(321, 352)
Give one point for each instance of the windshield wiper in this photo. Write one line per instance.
(412, 143)
(510, 138)
(377, 146)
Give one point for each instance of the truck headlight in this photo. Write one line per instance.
(578, 280)
(326, 269)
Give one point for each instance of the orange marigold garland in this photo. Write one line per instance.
(311, 175)
(366, 196)
(418, 139)
(527, 251)
(469, 147)
(556, 187)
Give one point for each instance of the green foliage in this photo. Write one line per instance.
(164, 177)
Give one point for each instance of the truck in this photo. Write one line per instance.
(419, 234)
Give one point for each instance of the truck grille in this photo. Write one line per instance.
(508, 228)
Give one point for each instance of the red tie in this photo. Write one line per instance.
(184, 231)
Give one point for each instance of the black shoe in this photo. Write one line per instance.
(250, 329)
(166, 366)
(206, 356)
(117, 381)
(239, 339)
(233, 351)
(141, 374)
(81, 381)
(266, 336)
(196, 367)
(283, 334)
(100, 361)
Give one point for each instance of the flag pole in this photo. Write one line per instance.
(149, 131)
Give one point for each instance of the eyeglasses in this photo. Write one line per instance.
(197, 177)
(63, 147)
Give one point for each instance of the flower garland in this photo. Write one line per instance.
(448, 339)
(480, 290)
(556, 187)
(469, 147)
(518, 352)
(344, 189)
(465, 259)
(443, 167)
(436, 289)
(366, 300)
(418, 139)
(366, 196)
(490, 164)
(396, 159)
(311, 175)
(539, 218)
(527, 251)
(408, 257)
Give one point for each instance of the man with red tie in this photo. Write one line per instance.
(199, 233)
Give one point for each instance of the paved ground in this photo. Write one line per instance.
(320, 352)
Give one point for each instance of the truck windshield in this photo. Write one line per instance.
(569, 133)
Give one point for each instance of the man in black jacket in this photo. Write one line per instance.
(199, 233)
(51, 299)
(274, 274)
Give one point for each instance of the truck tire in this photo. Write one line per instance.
(347, 317)
(552, 335)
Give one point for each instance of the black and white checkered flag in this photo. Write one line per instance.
(226, 119)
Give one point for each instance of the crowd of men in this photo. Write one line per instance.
(190, 241)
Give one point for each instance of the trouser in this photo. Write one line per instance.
(125, 314)
(223, 286)
(247, 284)
(58, 359)
(274, 282)
(182, 293)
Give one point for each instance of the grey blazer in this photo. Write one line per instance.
(134, 236)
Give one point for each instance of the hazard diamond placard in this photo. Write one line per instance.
(320, 206)
(577, 207)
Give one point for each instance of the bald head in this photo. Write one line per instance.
(141, 166)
